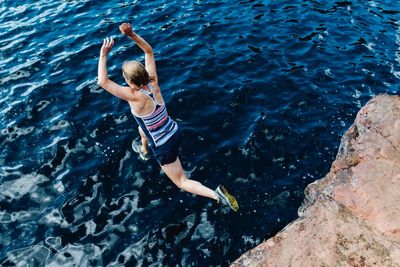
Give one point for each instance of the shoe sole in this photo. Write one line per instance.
(228, 198)
(135, 146)
(136, 149)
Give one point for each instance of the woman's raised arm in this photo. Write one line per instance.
(150, 62)
(102, 74)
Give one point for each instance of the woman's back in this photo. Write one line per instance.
(153, 117)
(143, 105)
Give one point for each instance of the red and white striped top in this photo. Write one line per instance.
(157, 125)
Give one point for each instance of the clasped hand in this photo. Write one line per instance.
(125, 28)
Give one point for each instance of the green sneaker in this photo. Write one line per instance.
(226, 198)
(136, 146)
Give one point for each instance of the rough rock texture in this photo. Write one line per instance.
(351, 217)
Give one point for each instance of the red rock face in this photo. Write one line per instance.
(351, 217)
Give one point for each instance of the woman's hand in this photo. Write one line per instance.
(126, 29)
(106, 47)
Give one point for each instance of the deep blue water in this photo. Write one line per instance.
(263, 91)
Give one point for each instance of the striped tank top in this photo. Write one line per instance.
(158, 126)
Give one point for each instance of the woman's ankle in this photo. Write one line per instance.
(144, 149)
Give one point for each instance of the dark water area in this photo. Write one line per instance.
(262, 90)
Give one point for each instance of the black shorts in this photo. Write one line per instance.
(168, 152)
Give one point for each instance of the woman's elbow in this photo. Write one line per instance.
(149, 50)
(101, 82)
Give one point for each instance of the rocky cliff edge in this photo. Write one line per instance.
(351, 217)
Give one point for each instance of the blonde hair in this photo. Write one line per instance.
(136, 73)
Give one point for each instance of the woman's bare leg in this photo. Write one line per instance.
(176, 173)
(145, 143)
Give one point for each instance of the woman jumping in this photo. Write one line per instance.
(157, 130)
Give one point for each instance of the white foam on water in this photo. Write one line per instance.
(9, 107)
(135, 250)
(17, 188)
(75, 255)
(43, 104)
(30, 256)
(55, 73)
(386, 84)
(188, 221)
(90, 227)
(279, 137)
(68, 81)
(368, 72)
(245, 151)
(241, 180)
(55, 141)
(78, 148)
(56, 117)
(250, 240)
(138, 180)
(61, 175)
(54, 218)
(370, 46)
(275, 160)
(5, 217)
(53, 242)
(358, 104)
(4, 61)
(95, 89)
(395, 73)
(252, 176)
(328, 72)
(397, 54)
(28, 63)
(60, 40)
(109, 241)
(93, 134)
(121, 119)
(15, 76)
(186, 253)
(81, 210)
(128, 208)
(122, 162)
(87, 83)
(356, 94)
(34, 86)
(62, 124)
(20, 216)
(10, 168)
(204, 229)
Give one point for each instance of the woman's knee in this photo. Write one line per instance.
(181, 181)
(175, 172)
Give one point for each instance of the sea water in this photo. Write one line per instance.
(262, 90)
